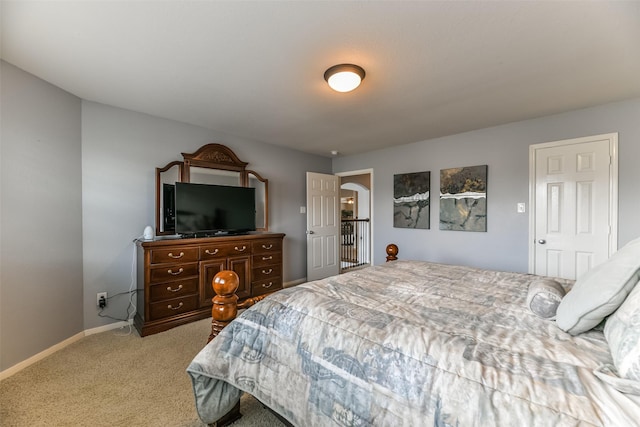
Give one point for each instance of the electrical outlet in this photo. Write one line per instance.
(101, 299)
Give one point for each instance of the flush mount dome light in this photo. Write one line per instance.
(344, 77)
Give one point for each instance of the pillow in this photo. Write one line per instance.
(622, 332)
(600, 291)
(544, 296)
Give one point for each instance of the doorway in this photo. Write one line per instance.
(326, 230)
(355, 221)
(573, 220)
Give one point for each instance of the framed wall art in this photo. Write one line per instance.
(411, 200)
(463, 198)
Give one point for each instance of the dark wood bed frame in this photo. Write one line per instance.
(225, 309)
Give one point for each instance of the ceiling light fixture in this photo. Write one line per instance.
(344, 77)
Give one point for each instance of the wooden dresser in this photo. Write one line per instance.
(175, 275)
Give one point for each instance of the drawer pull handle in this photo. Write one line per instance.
(264, 285)
(170, 307)
(170, 271)
(171, 255)
(240, 249)
(267, 258)
(208, 252)
(174, 290)
(267, 247)
(269, 271)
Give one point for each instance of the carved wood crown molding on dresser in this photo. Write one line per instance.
(215, 155)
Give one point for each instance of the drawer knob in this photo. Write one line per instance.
(240, 249)
(264, 285)
(170, 307)
(267, 258)
(208, 252)
(171, 255)
(170, 271)
(269, 271)
(174, 290)
(267, 246)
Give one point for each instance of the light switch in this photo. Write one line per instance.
(303, 209)
(521, 208)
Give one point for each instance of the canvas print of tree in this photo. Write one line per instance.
(411, 200)
(463, 198)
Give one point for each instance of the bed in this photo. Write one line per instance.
(411, 343)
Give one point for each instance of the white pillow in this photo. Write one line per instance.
(600, 291)
(544, 296)
(622, 331)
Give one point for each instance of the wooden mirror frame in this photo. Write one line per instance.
(266, 196)
(210, 156)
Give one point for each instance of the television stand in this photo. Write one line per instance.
(175, 276)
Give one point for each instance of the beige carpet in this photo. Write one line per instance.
(113, 379)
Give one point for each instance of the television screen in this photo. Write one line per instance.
(205, 209)
(169, 207)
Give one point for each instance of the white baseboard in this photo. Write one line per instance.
(108, 327)
(54, 348)
(294, 282)
(33, 359)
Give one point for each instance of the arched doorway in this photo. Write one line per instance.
(355, 218)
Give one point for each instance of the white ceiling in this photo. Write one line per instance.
(255, 69)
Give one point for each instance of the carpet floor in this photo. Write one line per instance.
(116, 378)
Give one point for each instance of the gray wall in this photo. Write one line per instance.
(41, 216)
(505, 150)
(120, 151)
(78, 185)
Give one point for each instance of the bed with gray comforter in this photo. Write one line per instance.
(410, 343)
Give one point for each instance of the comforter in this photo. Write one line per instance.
(410, 343)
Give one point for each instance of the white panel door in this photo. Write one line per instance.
(573, 210)
(323, 225)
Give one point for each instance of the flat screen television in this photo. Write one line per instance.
(207, 210)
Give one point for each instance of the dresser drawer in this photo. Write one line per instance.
(261, 260)
(267, 272)
(224, 250)
(173, 272)
(265, 286)
(169, 290)
(266, 246)
(160, 310)
(162, 256)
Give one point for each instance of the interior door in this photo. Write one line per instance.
(574, 200)
(323, 225)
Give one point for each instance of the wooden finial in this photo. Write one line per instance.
(392, 252)
(225, 303)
